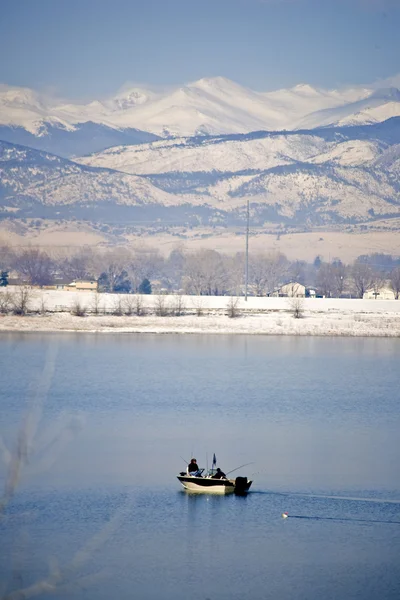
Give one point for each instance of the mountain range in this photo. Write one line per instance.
(300, 178)
(210, 106)
(198, 154)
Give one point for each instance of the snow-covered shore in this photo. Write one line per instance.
(206, 314)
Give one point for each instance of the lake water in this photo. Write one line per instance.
(109, 420)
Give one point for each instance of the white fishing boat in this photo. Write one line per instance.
(214, 481)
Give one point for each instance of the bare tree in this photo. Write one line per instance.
(395, 282)
(129, 305)
(21, 300)
(266, 271)
(362, 277)
(5, 302)
(115, 265)
(297, 271)
(118, 308)
(330, 279)
(36, 266)
(235, 269)
(205, 273)
(146, 263)
(6, 257)
(173, 269)
(296, 307)
(198, 303)
(233, 307)
(78, 309)
(340, 278)
(43, 306)
(139, 308)
(161, 306)
(178, 305)
(95, 306)
(78, 266)
(378, 282)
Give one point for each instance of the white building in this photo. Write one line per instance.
(382, 293)
(292, 290)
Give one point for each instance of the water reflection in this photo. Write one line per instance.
(319, 417)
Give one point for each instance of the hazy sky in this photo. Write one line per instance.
(89, 48)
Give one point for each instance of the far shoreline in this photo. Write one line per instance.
(53, 311)
(272, 324)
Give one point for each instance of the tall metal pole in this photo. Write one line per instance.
(247, 251)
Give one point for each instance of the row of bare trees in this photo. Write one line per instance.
(202, 272)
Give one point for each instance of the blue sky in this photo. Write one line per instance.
(90, 48)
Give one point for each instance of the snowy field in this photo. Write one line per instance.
(52, 311)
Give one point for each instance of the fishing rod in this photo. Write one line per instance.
(246, 465)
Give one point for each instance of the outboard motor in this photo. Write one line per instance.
(241, 485)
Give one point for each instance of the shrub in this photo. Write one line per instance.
(78, 310)
(20, 300)
(160, 306)
(5, 302)
(179, 305)
(232, 307)
(296, 307)
(139, 309)
(198, 304)
(117, 308)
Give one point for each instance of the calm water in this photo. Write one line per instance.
(109, 420)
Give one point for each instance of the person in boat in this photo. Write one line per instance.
(193, 468)
(219, 474)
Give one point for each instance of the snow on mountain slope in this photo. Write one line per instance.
(350, 153)
(297, 192)
(191, 155)
(376, 114)
(83, 139)
(208, 106)
(22, 107)
(260, 151)
(389, 160)
(378, 106)
(318, 195)
(51, 180)
(303, 99)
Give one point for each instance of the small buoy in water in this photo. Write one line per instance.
(284, 515)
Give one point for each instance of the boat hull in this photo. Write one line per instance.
(208, 485)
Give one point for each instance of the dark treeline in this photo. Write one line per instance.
(201, 272)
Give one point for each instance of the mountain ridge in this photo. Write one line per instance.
(209, 106)
(301, 179)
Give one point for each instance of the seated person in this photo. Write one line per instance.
(219, 474)
(193, 468)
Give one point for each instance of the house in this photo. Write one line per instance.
(58, 284)
(82, 285)
(291, 290)
(380, 293)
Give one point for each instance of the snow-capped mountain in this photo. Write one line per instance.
(347, 146)
(381, 103)
(28, 175)
(210, 106)
(81, 138)
(331, 175)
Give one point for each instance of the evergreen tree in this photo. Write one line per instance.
(3, 279)
(122, 283)
(317, 262)
(103, 283)
(145, 287)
